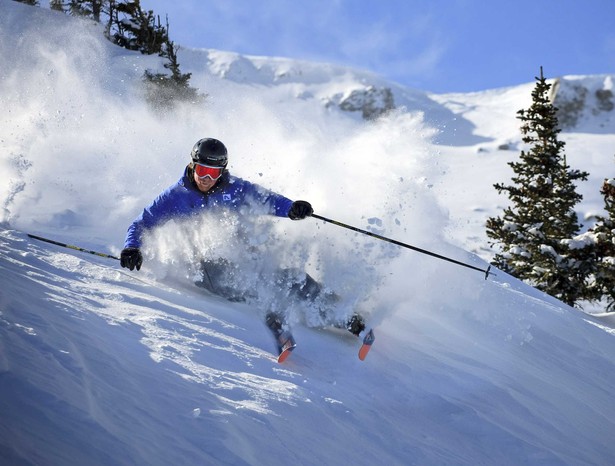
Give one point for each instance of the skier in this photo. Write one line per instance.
(207, 185)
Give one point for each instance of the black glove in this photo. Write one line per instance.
(131, 258)
(299, 210)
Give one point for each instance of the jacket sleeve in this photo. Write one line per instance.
(162, 209)
(276, 203)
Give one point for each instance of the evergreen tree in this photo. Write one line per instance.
(57, 5)
(532, 232)
(596, 248)
(162, 90)
(76, 7)
(88, 8)
(605, 233)
(126, 23)
(133, 28)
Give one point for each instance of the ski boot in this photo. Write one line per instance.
(356, 324)
(284, 339)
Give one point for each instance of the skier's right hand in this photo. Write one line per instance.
(131, 258)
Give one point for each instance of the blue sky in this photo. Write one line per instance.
(432, 45)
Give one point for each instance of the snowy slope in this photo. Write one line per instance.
(99, 365)
(101, 368)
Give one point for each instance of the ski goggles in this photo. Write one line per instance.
(205, 171)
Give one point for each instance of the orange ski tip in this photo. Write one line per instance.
(284, 355)
(363, 351)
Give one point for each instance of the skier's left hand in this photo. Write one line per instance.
(299, 210)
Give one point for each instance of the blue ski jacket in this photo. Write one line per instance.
(184, 199)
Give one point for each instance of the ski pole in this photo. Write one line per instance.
(70, 246)
(404, 245)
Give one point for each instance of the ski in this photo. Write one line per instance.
(284, 339)
(368, 339)
(286, 344)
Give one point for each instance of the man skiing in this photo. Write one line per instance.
(207, 185)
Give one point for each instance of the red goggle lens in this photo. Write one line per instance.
(204, 171)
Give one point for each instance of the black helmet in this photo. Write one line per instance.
(210, 151)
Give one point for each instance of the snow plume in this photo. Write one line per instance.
(87, 148)
(82, 144)
(71, 129)
(84, 139)
(376, 178)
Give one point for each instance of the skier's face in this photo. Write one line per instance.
(204, 184)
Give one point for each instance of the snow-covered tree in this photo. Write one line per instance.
(134, 28)
(162, 90)
(605, 243)
(87, 8)
(128, 25)
(533, 230)
(596, 248)
(56, 5)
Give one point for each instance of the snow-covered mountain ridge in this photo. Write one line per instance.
(103, 366)
(577, 97)
(585, 103)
